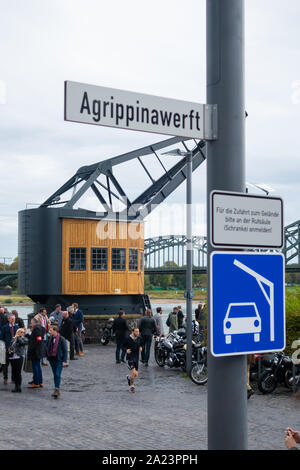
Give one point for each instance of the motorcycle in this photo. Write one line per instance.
(169, 350)
(277, 369)
(106, 333)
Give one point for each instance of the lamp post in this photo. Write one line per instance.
(189, 252)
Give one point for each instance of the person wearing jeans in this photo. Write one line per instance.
(37, 374)
(147, 327)
(57, 354)
(121, 330)
(67, 331)
(8, 332)
(78, 320)
(36, 351)
(147, 341)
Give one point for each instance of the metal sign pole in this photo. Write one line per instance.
(227, 379)
(189, 262)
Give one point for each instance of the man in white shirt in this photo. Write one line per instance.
(158, 320)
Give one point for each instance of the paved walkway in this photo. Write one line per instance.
(96, 410)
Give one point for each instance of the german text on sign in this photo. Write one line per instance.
(111, 107)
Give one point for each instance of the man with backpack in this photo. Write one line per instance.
(172, 320)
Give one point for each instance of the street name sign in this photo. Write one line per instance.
(241, 220)
(102, 106)
(247, 303)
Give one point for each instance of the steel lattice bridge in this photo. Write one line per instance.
(167, 254)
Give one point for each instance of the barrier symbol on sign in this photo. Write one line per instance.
(252, 323)
(243, 317)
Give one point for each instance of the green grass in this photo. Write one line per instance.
(184, 375)
(15, 299)
(175, 294)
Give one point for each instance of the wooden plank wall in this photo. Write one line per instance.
(79, 233)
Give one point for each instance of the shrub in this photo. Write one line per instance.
(292, 300)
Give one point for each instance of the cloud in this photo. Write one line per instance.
(156, 48)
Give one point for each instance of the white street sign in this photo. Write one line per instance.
(241, 220)
(91, 104)
(247, 303)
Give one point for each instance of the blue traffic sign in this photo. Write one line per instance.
(247, 303)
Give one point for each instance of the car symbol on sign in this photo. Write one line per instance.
(242, 318)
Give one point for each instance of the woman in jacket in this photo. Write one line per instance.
(16, 357)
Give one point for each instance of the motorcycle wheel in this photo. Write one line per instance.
(267, 383)
(198, 373)
(289, 381)
(104, 340)
(158, 358)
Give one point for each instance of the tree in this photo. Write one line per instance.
(14, 265)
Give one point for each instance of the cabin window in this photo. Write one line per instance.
(99, 259)
(118, 259)
(77, 259)
(133, 260)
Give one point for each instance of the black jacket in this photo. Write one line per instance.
(62, 350)
(200, 317)
(67, 328)
(120, 328)
(3, 319)
(147, 326)
(6, 334)
(36, 345)
(20, 322)
(134, 345)
(180, 318)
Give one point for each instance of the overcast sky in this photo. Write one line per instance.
(155, 47)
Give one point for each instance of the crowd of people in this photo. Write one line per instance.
(129, 345)
(52, 340)
(57, 339)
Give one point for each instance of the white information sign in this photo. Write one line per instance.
(241, 220)
(91, 104)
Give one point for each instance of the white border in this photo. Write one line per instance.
(237, 246)
(238, 253)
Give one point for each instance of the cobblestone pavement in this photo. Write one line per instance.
(96, 410)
